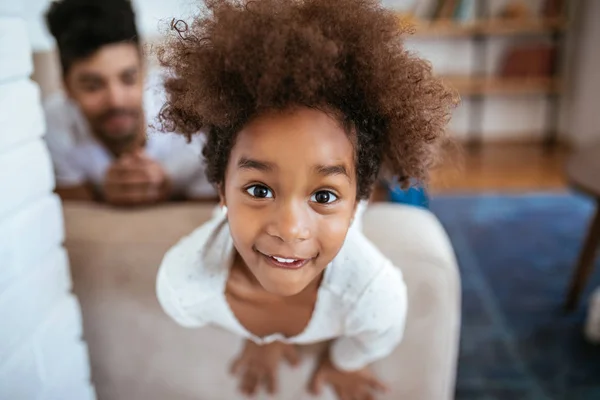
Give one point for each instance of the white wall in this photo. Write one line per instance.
(42, 356)
(154, 16)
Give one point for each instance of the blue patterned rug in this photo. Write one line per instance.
(516, 255)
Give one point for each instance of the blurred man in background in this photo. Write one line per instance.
(100, 132)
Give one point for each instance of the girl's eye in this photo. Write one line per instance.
(260, 192)
(323, 197)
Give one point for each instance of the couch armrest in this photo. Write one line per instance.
(424, 365)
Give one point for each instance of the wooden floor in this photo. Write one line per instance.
(501, 167)
(505, 168)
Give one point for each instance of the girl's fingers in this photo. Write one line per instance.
(249, 383)
(316, 383)
(377, 385)
(235, 366)
(343, 394)
(271, 383)
(291, 355)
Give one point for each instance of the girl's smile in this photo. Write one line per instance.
(287, 262)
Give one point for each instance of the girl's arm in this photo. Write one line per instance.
(184, 286)
(373, 330)
(375, 325)
(171, 303)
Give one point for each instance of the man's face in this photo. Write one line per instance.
(108, 88)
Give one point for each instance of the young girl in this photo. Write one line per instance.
(303, 103)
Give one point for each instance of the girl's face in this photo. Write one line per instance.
(290, 192)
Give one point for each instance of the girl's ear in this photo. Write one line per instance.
(222, 201)
(356, 202)
(221, 192)
(359, 209)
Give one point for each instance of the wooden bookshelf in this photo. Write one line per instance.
(478, 23)
(437, 29)
(518, 27)
(500, 86)
(490, 27)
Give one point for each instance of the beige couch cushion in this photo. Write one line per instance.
(137, 352)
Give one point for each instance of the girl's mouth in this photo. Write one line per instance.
(286, 262)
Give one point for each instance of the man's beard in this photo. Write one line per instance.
(118, 140)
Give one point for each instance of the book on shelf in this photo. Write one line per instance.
(465, 11)
(459, 11)
(554, 8)
(425, 9)
(533, 60)
(445, 9)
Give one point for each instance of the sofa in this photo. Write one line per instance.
(137, 352)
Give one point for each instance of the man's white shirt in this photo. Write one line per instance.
(79, 158)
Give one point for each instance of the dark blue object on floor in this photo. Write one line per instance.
(416, 196)
(516, 255)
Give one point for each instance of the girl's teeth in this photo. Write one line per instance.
(284, 260)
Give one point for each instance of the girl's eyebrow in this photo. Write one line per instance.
(265, 166)
(329, 170)
(249, 163)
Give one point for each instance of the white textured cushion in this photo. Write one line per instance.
(71, 378)
(27, 236)
(72, 386)
(26, 174)
(14, 46)
(58, 340)
(27, 302)
(11, 8)
(22, 377)
(15, 374)
(52, 363)
(22, 117)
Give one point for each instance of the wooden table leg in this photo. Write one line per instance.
(585, 263)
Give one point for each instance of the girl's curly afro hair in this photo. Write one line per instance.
(240, 58)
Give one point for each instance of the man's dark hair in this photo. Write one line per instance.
(81, 27)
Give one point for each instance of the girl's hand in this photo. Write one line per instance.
(355, 385)
(258, 365)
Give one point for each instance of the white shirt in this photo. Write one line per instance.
(361, 302)
(78, 157)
